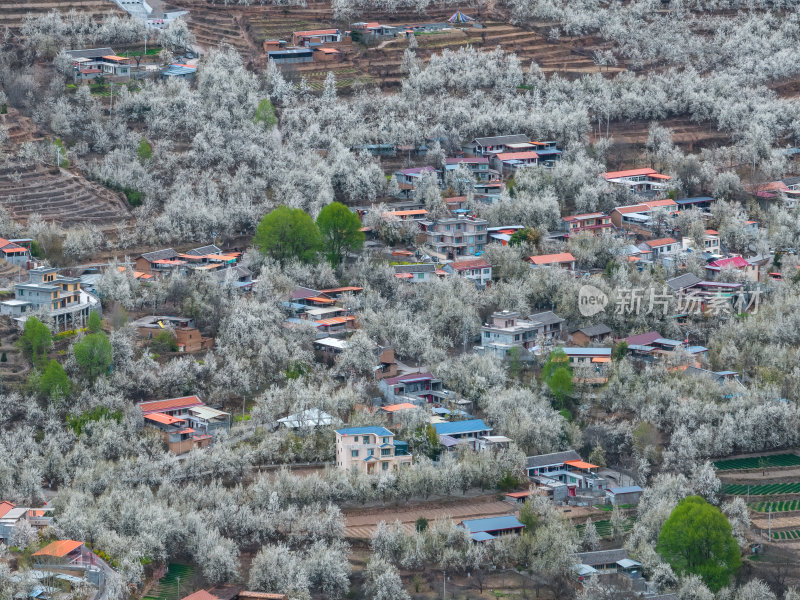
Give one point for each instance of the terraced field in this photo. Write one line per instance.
(773, 507)
(13, 11)
(59, 196)
(168, 587)
(758, 462)
(771, 489)
(604, 527)
(793, 534)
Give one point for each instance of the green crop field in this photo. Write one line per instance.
(758, 462)
(167, 586)
(770, 489)
(604, 527)
(794, 534)
(784, 506)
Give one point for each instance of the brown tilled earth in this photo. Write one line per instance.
(12, 12)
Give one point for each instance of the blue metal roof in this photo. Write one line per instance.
(174, 70)
(625, 490)
(587, 351)
(461, 427)
(694, 200)
(492, 524)
(482, 536)
(386, 446)
(362, 430)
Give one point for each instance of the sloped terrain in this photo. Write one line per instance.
(13, 11)
(59, 196)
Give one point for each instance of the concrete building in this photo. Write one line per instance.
(99, 62)
(185, 423)
(484, 530)
(187, 335)
(60, 298)
(639, 181)
(370, 450)
(476, 269)
(453, 237)
(624, 495)
(505, 331)
(593, 222)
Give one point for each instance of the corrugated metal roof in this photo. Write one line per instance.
(382, 431)
(629, 489)
(456, 427)
(492, 524)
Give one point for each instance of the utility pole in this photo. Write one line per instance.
(769, 513)
(444, 585)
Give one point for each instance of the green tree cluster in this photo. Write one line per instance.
(265, 113)
(35, 341)
(93, 355)
(557, 375)
(145, 150)
(696, 539)
(290, 233)
(164, 341)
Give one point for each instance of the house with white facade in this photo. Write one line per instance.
(370, 450)
(476, 269)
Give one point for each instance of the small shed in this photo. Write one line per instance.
(291, 55)
(624, 495)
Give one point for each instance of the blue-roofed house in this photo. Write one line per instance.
(483, 530)
(699, 202)
(469, 431)
(370, 450)
(585, 356)
(179, 71)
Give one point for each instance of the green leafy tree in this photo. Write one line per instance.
(557, 375)
(288, 233)
(93, 355)
(164, 341)
(529, 235)
(145, 150)
(54, 381)
(529, 517)
(35, 340)
(508, 481)
(697, 539)
(265, 113)
(341, 231)
(95, 322)
(620, 350)
(421, 524)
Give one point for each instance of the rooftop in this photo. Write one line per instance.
(456, 427)
(155, 406)
(491, 524)
(381, 431)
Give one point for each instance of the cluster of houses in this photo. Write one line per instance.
(186, 423)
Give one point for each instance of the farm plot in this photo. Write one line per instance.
(772, 507)
(603, 527)
(758, 462)
(793, 534)
(771, 489)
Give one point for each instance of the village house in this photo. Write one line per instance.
(502, 235)
(416, 388)
(628, 495)
(185, 423)
(483, 530)
(702, 203)
(411, 176)
(11, 515)
(597, 222)
(661, 247)
(486, 146)
(551, 323)
(64, 554)
(509, 162)
(586, 356)
(476, 269)
(453, 237)
(419, 214)
(478, 166)
(470, 431)
(637, 217)
(179, 71)
(639, 181)
(370, 450)
(586, 335)
(605, 562)
(682, 282)
(15, 252)
(568, 468)
(393, 410)
(61, 298)
(565, 260)
(186, 334)
(316, 37)
(98, 62)
(505, 331)
(420, 273)
(327, 349)
(747, 270)
(711, 245)
(291, 55)
(237, 276)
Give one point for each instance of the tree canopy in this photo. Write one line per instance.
(557, 375)
(35, 340)
(93, 355)
(54, 381)
(341, 231)
(287, 233)
(697, 539)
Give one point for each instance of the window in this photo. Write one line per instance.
(354, 453)
(355, 439)
(420, 275)
(386, 440)
(486, 334)
(386, 452)
(370, 451)
(516, 338)
(385, 466)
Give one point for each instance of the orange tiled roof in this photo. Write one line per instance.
(347, 288)
(549, 259)
(200, 595)
(472, 263)
(163, 419)
(59, 549)
(5, 506)
(335, 320)
(172, 404)
(660, 242)
(629, 173)
(579, 464)
(516, 155)
(396, 407)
